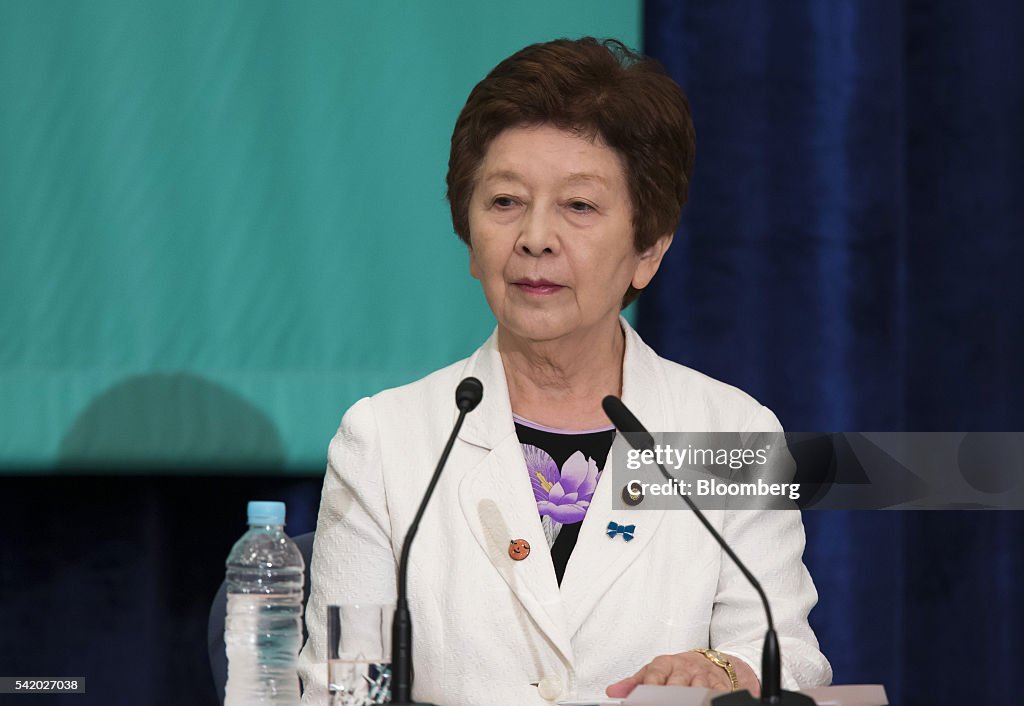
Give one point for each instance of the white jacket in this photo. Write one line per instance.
(487, 629)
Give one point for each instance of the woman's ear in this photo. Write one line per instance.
(650, 261)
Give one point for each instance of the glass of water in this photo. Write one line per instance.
(359, 654)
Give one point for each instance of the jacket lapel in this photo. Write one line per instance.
(498, 504)
(598, 560)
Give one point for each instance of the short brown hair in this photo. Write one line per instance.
(598, 89)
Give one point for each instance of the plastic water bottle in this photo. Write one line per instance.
(263, 630)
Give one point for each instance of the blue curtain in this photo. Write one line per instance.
(851, 257)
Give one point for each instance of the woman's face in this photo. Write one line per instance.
(551, 234)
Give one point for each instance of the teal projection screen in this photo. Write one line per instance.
(223, 223)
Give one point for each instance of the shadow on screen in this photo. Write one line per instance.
(171, 421)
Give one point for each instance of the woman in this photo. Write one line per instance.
(570, 164)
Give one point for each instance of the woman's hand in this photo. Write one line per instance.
(688, 669)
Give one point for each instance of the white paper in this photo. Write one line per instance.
(856, 695)
(652, 695)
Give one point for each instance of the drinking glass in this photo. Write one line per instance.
(359, 654)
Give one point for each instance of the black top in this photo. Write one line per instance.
(564, 468)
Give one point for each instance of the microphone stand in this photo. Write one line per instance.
(467, 396)
(771, 659)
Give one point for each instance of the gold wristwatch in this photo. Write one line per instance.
(721, 660)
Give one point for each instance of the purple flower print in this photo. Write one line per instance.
(563, 496)
(543, 471)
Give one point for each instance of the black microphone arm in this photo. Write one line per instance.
(467, 396)
(771, 660)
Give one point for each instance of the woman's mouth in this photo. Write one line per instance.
(537, 286)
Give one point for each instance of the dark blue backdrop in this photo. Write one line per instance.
(851, 257)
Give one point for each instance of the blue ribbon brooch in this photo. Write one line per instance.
(626, 531)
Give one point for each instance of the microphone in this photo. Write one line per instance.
(771, 660)
(467, 396)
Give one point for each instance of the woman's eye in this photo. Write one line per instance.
(580, 207)
(504, 201)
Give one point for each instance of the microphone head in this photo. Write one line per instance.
(468, 394)
(634, 432)
(620, 415)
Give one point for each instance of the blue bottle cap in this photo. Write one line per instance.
(266, 512)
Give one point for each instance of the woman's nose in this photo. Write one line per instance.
(539, 234)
